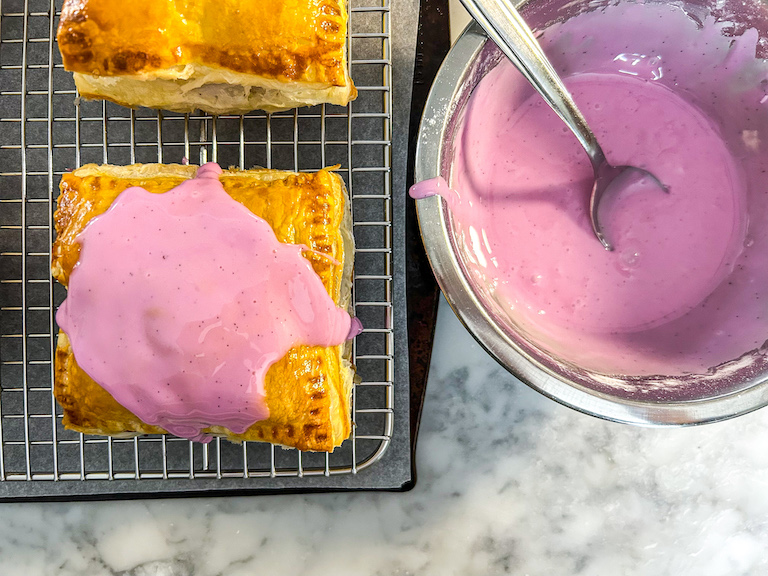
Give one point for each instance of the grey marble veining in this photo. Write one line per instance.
(509, 483)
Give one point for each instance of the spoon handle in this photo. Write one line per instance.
(504, 25)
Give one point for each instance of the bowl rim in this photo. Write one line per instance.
(433, 217)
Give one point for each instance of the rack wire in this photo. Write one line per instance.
(45, 131)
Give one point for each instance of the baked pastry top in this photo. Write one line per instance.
(308, 390)
(222, 56)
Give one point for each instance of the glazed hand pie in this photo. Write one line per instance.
(307, 391)
(220, 56)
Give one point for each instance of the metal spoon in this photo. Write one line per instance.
(504, 25)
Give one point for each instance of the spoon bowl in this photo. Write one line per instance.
(607, 177)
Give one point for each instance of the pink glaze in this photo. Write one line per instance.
(684, 290)
(180, 302)
(671, 250)
(435, 187)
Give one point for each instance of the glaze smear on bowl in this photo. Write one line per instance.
(180, 302)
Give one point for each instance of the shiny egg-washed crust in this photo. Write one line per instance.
(308, 390)
(221, 56)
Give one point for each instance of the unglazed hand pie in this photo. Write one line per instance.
(308, 390)
(220, 56)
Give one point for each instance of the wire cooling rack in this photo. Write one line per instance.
(45, 131)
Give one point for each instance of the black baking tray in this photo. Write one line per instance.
(38, 140)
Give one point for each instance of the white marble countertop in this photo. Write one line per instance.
(509, 483)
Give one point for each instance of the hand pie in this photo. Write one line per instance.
(307, 392)
(220, 56)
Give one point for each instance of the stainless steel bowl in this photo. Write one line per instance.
(735, 389)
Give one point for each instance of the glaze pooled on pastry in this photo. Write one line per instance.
(221, 56)
(167, 322)
(306, 391)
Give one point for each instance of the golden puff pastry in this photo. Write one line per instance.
(220, 56)
(308, 390)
